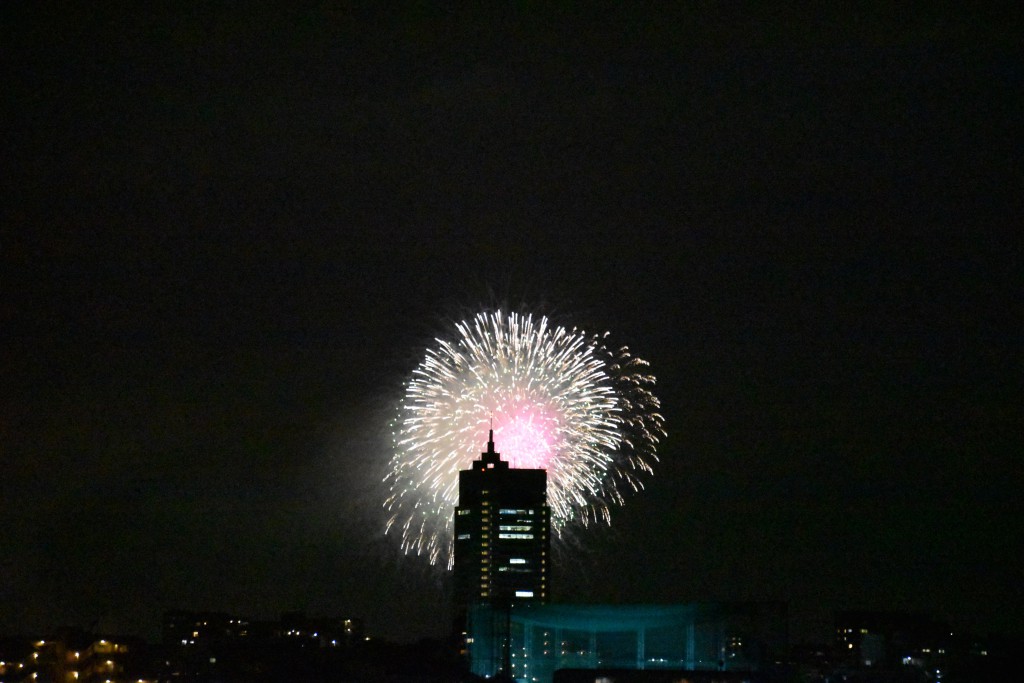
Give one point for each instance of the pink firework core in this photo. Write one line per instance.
(527, 438)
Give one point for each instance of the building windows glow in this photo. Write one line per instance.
(520, 531)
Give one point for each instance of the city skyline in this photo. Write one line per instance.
(228, 237)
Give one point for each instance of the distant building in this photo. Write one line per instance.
(874, 639)
(73, 655)
(208, 646)
(607, 640)
(185, 628)
(205, 630)
(502, 533)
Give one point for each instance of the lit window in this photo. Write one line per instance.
(524, 594)
(517, 560)
(463, 537)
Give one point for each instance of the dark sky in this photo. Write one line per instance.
(226, 238)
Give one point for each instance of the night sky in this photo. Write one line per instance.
(225, 240)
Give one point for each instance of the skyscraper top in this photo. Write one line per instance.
(490, 459)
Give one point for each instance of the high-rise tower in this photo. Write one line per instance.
(502, 533)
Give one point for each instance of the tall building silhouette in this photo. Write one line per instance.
(502, 533)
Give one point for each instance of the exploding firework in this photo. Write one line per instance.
(558, 399)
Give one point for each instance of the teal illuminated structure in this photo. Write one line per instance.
(502, 533)
(684, 637)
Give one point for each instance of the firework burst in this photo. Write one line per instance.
(559, 399)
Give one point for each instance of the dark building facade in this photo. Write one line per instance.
(214, 646)
(502, 533)
(874, 639)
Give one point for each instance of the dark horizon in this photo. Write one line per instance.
(228, 238)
